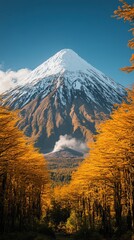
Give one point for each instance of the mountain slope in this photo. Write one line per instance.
(64, 95)
(64, 153)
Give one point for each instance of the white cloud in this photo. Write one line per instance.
(11, 79)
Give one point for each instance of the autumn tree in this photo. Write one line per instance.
(126, 12)
(24, 178)
(102, 189)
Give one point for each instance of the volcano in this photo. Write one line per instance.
(65, 95)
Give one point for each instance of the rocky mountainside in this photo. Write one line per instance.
(65, 153)
(64, 95)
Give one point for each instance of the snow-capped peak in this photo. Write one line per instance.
(65, 60)
(64, 74)
(64, 95)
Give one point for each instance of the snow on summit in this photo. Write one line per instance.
(75, 70)
(68, 64)
(64, 60)
(64, 74)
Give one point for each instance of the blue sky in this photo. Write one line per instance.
(34, 30)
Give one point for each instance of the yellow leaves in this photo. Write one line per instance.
(127, 13)
(129, 69)
(24, 165)
(110, 154)
(132, 57)
(131, 45)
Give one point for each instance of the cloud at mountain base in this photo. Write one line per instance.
(67, 141)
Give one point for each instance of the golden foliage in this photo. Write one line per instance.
(102, 189)
(24, 177)
(126, 12)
